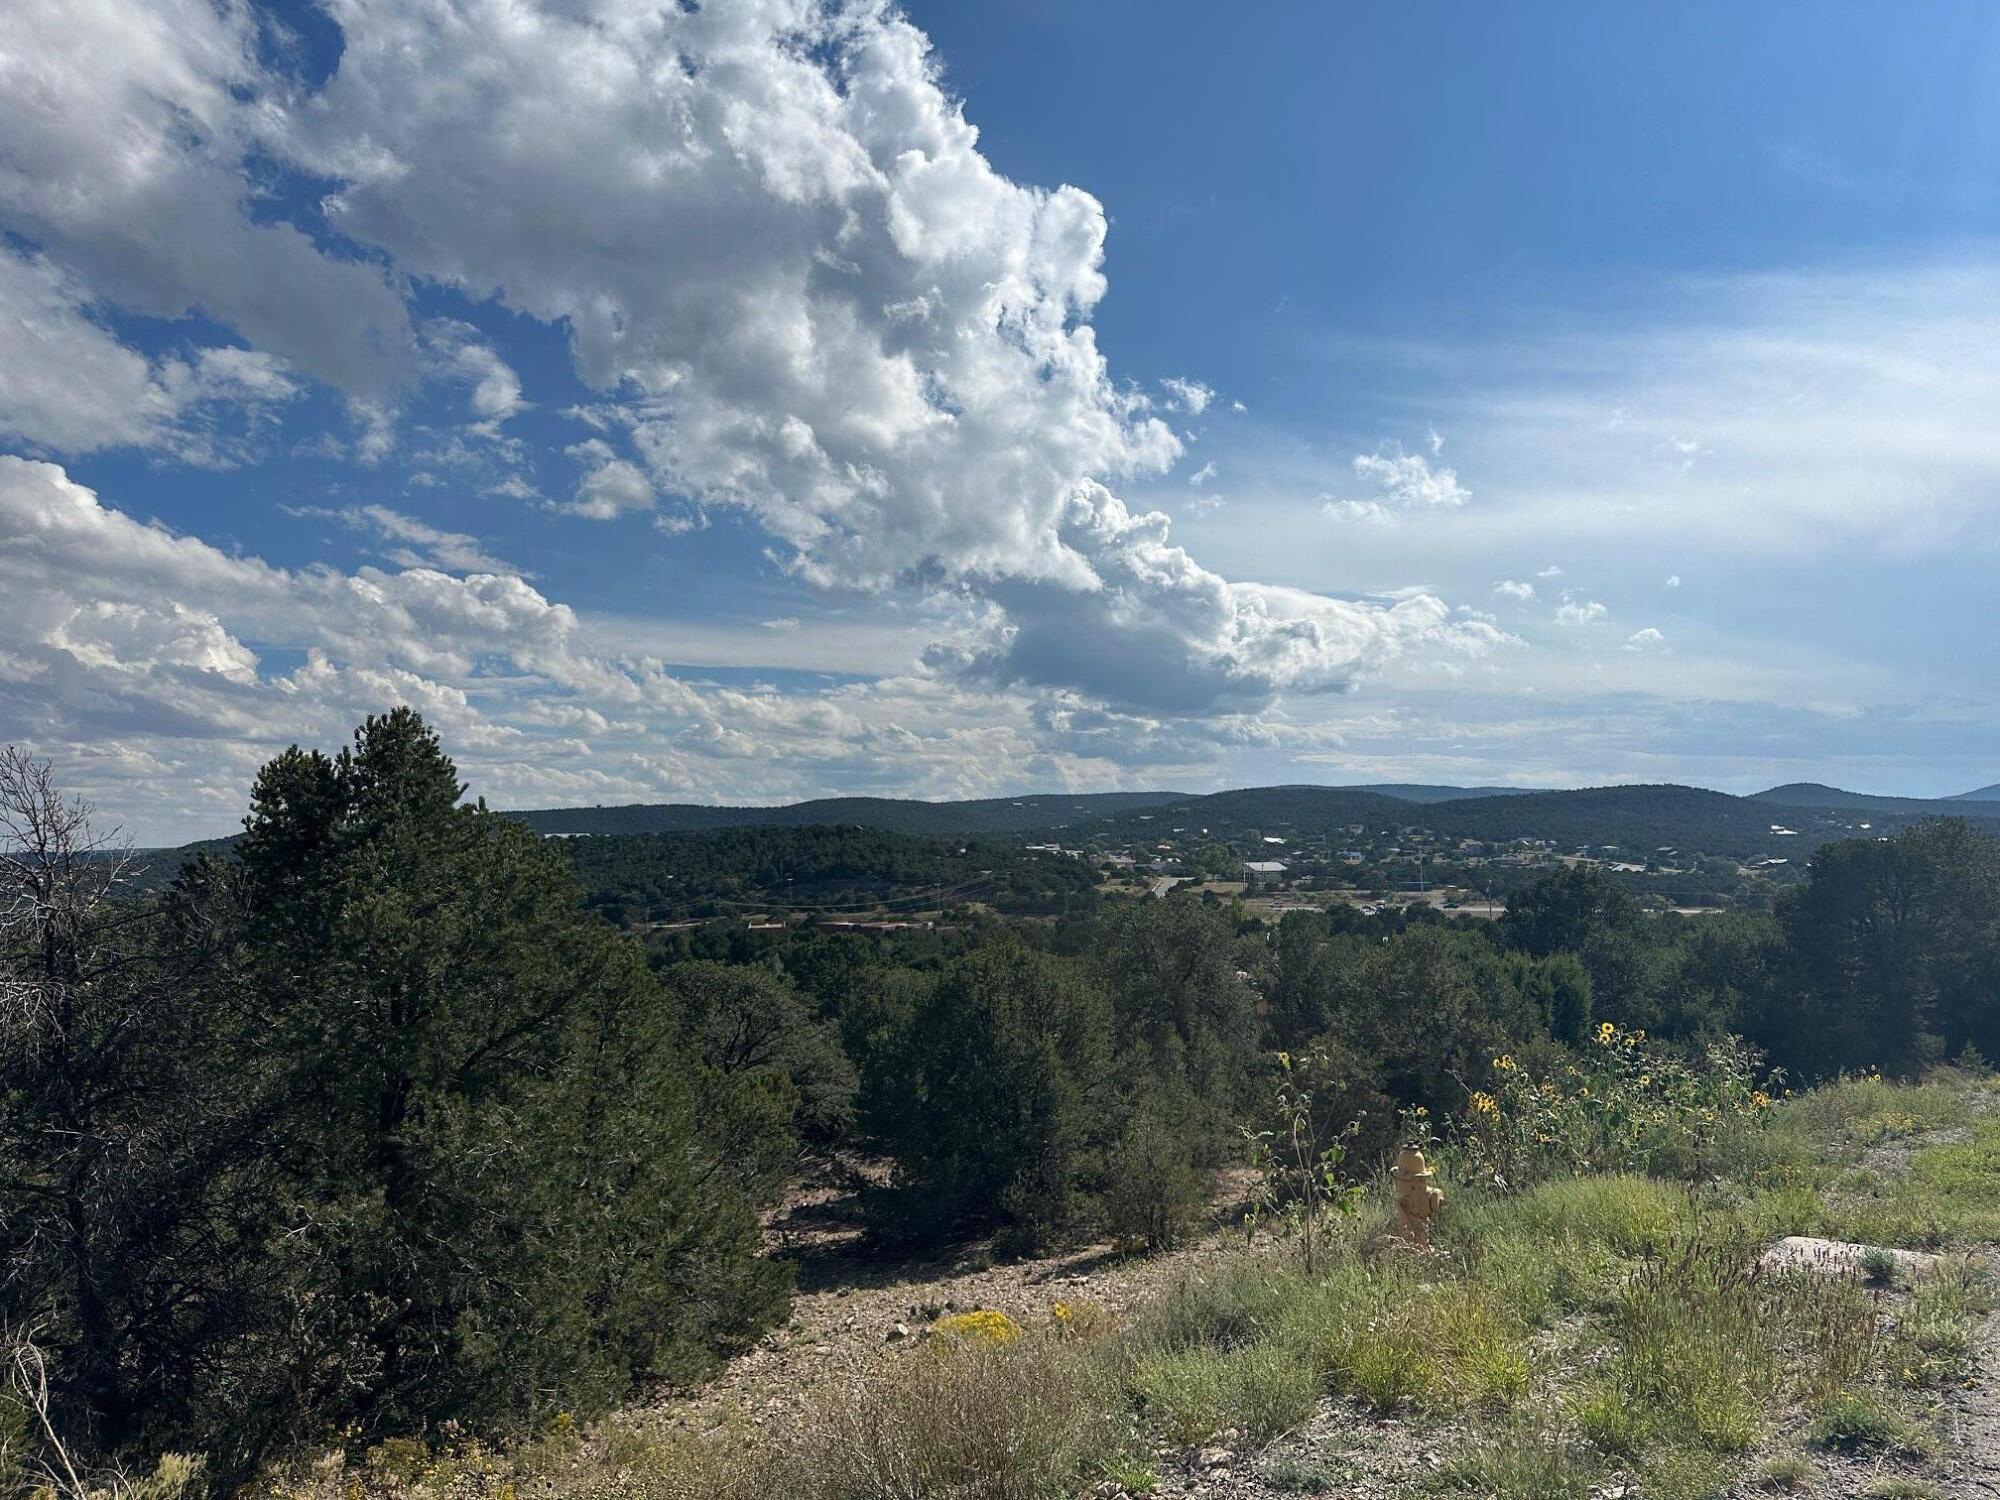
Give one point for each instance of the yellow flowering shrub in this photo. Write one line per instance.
(1081, 1320)
(1626, 1105)
(987, 1326)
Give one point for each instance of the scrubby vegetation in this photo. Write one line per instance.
(1591, 1330)
(371, 1138)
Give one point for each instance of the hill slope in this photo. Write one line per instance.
(889, 814)
(1816, 794)
(1636, 820)
(1410, 791)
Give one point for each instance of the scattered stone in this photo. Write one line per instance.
(1214, 1458)
(1800, 1252)
(897, 1334)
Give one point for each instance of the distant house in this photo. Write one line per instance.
(1265, 866)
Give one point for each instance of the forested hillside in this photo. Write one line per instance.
(1633, 820)
(827, 869)
(1798, 794)
(888, 814)
(1636, 819)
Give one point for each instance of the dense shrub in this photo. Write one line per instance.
(995, 1099)
(1155, 1189)
(748, 1020)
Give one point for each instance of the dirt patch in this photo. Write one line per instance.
(1890, 1157)
(859, 1303)
(1344, 1450)
(1972, 1425)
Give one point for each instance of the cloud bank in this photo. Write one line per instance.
(796, 287)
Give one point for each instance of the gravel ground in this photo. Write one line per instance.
(1972, 1457)
(858, 1304)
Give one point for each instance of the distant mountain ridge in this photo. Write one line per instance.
(1638, 821)
(1028, 814)
(1032, 813)
(1407, 791)
(1642, 816)
(1817, 794)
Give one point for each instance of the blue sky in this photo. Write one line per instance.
(768, 399)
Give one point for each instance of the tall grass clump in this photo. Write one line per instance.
(1033, 1419)
(1619, 1212)
(1933, 1345)
(1522, 1463)
(1191, 1394)
(1859, 1110)
(1705, 1340)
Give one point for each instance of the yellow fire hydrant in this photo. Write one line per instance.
(1418, 1198)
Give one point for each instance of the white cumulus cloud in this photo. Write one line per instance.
(795, 284)
(67, 384)
(1190, 396)
(1406, 481)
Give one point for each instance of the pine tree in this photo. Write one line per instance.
(512, 1185)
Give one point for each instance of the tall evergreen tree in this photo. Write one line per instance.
(511, 1178)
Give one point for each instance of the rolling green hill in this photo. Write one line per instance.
(1815, 794)
(1410, 791)
(1636, 820)
(991, 815)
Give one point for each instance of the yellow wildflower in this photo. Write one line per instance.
(983, 1327)
(1605, 1032)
